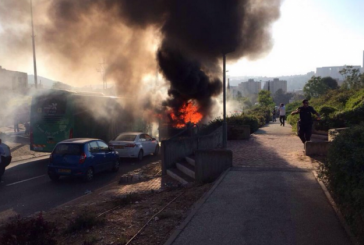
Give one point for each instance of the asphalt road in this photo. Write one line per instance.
(26, 187)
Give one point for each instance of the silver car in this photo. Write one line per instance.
(135, 145)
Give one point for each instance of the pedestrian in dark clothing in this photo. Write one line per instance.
(305, 122)
(274, 113)
(16, 124)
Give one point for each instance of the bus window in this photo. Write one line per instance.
(55, 104)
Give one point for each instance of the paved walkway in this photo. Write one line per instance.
(270, 196)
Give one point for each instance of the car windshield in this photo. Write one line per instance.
(68, 149)
(126, 137)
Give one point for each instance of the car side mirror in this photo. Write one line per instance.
(154, 139)
(111, 148)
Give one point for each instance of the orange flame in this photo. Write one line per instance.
(187, 113)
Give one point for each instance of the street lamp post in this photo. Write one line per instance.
(224, 124)
(34, 59)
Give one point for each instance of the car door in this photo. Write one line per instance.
(143, 142)
(97, 155)
(106, 165)
(149, 144)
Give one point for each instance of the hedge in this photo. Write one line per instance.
(344, 172)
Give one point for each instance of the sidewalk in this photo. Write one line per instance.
(270, 196)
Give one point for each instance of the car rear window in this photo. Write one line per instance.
(68, 149)
(126, 137)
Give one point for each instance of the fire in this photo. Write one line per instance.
(187, 113)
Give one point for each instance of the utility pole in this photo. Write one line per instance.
(102, 71)
(224, 124)
(34, 58)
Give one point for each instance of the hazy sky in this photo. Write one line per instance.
(309, 34)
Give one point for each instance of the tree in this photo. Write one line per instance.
(265, 98)
(330, 82)
(353, 78)
(315, 87)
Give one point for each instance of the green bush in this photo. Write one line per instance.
(252, 121)
(344, 171)
(245, 120)
(355, 100)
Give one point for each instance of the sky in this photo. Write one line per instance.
(309, 34)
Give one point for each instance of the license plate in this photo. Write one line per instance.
(64, 171)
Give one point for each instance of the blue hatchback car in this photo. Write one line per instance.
(82, 157)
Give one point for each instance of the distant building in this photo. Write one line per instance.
(249, 88)
(275, 85)
(333, 71)
(13, 81)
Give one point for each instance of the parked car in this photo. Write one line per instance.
(5, 157)
(135, 145)
(82, 157)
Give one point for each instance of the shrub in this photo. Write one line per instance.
(33, 231)
(130, 198)
(244, 120)
(85, 220)
(355, 100)
(344, 171)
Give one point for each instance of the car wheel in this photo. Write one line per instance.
(89, 175)
(116, 166)
(156, 151)
(54, 177)
(140, 155)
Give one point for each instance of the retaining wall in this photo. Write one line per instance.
(211, 163)
(174, 150)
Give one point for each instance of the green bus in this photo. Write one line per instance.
(56, 115)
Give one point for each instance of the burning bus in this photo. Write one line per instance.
(57, 115)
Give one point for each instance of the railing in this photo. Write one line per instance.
(176, 149)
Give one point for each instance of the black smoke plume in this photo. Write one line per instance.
(192, 34)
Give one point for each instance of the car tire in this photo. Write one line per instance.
(54, 177)
(156, 151)
(115, 166)
(89, 175)
(140, 155)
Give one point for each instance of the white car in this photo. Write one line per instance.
(135, 145)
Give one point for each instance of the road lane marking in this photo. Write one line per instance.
(15, 183)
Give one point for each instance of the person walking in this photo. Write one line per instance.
(305, 122)
(2, 160)
(274, 113)
(282, 114)
(16, 124)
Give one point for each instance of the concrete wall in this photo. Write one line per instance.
(316, 148)
(238, 132)
(211, 163)
(13, 81)
(174, 150)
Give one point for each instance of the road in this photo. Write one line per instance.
(26, 188)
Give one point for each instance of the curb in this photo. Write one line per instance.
(336, 209)
(194, 209)
(30, 158)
